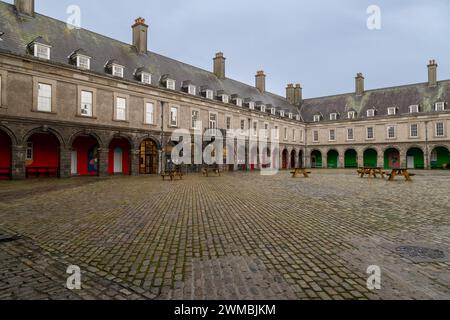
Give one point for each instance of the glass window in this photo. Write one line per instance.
(173, 117)
(391, 132)
(44, 97)
(392, 111)
(370, 133)
(332, 135)
(371, 113)
(316, 136)
(414, 132)
(228, 123)
(170, 84)
(41, 51)
(414, 109)
(29, 151)
(83, 62)
(117, 71)
(121, 109)
(439, 129)
(195, 117)
(149, 113)
(86, 103)
(146, 78)
(350, 134)
(213, 121)
(440, 106)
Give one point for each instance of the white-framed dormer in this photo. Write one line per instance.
(371, 113)
(239, 102)
(298, 117)
(40, 48)
(333, 116)
(170, 84)
(351, 115)
(192, 90)
(273, 111)
(414, 108)
(262, 108)
(317, 118)
(251, 105)
(195, 119)
(291, 115)
(209, 94)
(282, 113)
(392, 111)
(439, 106)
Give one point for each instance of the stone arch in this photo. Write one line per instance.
(440, 156)
(316, 158)
(127, 137)
(91, 133)
(392, 157)
(10, 133)
(44, 130)
(415, 157)
(149, 137)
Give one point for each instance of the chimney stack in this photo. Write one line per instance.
(432, 73)
(359, 84)
(260, 82)
(25, 7)
(140, 35)
(298, 94)
(290, 93)
(219, 65)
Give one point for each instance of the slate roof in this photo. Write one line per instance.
(20, 31)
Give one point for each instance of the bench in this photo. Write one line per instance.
(172, 175)
(38, 172)
(298, 171)
(207, 170)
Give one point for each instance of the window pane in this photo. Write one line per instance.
(149, 113)
(44, 97)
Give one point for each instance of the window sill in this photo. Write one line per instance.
(44, 112)
(85, 117)
(123, 121)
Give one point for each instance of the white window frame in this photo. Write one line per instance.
(209, 94)
(286, 134)
(439, 106)
(87, 106)
(277, 132)
(273, 111)
(117, 70)
(436, 129)
(41, 55)
(213, 123)
(255, 128)
(282, 113)
(298, 117)
(121, 108)
(332, 136)
(370, 113)
(350, 137)
(149, 114)
(263, 108)
(389, 137)
(225, 98)
(192, 90)
(291, 116)
(251, 105)
(173, 117)
(170, 84)
(414, 108)
(333, 116)
(316, 118)
(242, 128)
(229, 122)
(195, 121)
(351, 115)
(266, 129)
(29, 152)
(41, 98)
(239, 102)
(392, 111)
(372, 130)
(86, 65)
(146, 78)
(411, 130)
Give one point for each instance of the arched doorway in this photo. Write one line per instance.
(5, 156)
(370, 158)
(332, 159)
(316, 159)
(301, 164)
(85, 156)
(42, 156)
(119, 157)
(293, 159)
(351, 159)
(415, 159)
(391, 158)
(148, 158)
(284, 161)
(440, 158)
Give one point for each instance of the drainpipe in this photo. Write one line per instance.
(427, 157)
(161, 152)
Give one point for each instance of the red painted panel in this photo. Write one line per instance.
(85, 146)
(45, 151)
(125, 146)
(5, 154)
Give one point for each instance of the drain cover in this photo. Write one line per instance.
(421, 254)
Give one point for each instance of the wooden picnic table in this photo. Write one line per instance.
(214, 169)
(172, 174)
(297, 171)
(401, 172)
(371, 172)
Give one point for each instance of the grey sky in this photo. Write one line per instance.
(321, 44)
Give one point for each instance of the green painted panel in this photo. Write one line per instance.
(391, 159)
(316, 159)
(419, 162)
(351, 159)
(440, 157)
(332, 160)
(370, 158)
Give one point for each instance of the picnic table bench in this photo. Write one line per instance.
(38, 172)
(172, 174)
(401, 172)
(371, 172)
(297, 171)
(211, 169)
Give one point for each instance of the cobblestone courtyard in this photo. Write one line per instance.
(240, 236)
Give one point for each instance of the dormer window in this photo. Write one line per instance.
(370, 113)
(282, 113)
(239, 102)
(209, 94)
(146, 78)
(170, 84)
(351, 115)
(192, 89)
(439, 106)
(317, 118)
(117, 70)
(225, 98)
(333, 116)
(273, 111)
(263, 108)
(298, 117)
(42, 51)
(251, 105)
(83, 62)
(291, 116)
(392, 111)
(414, 108)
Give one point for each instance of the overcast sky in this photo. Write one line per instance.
(321, 44)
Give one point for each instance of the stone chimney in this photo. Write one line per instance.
(25, 7)
(290, 93)
(359, 84)
(140, 35)
(260, 82)
(298, 94)
(219, 65)
(432, 73)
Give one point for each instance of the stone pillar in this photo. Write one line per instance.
(103, 162)
(360, 159)
(307, 159)
(341, 160)
(18, 162)
(380, 161)
(65, 163)
(134, 162)
(324, 160)
(403, 158)
(161, 165)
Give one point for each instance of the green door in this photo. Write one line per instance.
(416, 155)
(440, 158)
(370, 158)
(333, 159)
(351, 159)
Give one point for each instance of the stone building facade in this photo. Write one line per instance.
(77, 103)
